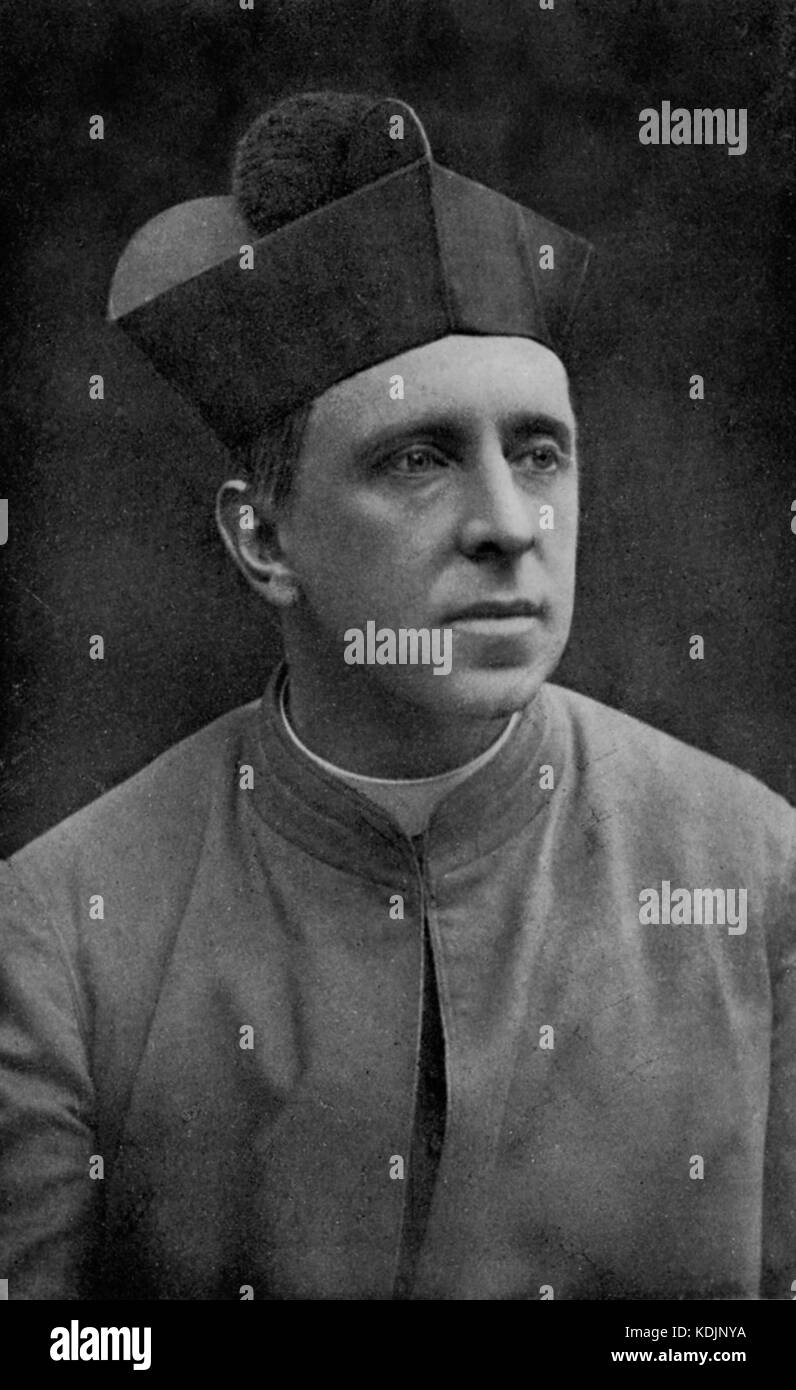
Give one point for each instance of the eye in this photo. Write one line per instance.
(414, 462)
(545, 457)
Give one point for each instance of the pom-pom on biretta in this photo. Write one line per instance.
(344, 244)
(297, 157)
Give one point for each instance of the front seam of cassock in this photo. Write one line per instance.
(429, 1122)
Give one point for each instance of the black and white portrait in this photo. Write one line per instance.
(397, 899)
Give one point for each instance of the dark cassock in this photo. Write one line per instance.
(271, 1027)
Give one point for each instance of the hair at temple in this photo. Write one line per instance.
(269, 462)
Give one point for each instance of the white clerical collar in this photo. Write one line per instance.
(409, 800)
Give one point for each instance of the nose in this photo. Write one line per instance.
(496, 518)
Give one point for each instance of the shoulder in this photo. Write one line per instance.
(158, 816)
(662, 789)
(599, 734)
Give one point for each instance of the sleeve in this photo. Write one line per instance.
(779, 1200)
(48, 1197)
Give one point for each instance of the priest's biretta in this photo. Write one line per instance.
(342, 245)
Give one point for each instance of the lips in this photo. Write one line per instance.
(496, 608)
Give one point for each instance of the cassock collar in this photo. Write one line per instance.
(317, 811)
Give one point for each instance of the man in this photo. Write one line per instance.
(422, 977)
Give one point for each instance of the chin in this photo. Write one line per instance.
(485, 693)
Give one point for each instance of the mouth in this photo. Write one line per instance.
(496, 611)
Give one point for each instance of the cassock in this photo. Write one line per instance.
(256, 1041)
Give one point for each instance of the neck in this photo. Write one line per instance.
(368, 730)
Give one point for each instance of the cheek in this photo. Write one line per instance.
(559, 544)
(363, 535)
(341, 554)
(566, 525)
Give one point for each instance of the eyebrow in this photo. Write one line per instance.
(526, 425)
(452, 432)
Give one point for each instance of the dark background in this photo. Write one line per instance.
(686, 505)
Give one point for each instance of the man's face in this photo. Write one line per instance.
(407, 512)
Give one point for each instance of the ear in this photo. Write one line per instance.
(249, 531)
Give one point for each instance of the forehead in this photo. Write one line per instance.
(475, 378)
